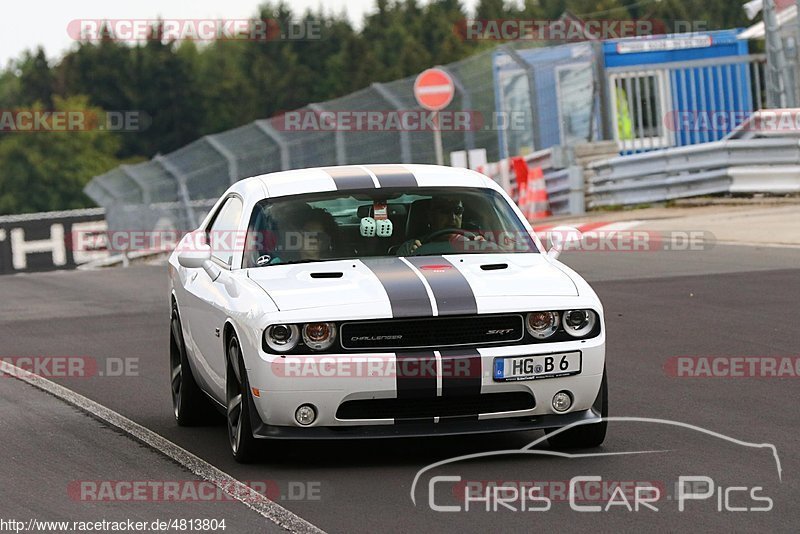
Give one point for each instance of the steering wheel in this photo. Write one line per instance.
(447, 231)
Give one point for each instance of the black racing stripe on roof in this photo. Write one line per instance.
(350, 178)
(393, 176)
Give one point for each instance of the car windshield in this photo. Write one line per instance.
(381, 222)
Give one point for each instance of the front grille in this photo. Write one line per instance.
(432, 332)
(435, 406)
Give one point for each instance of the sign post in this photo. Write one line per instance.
(434, 90)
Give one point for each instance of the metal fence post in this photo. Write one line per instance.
(601, 84)
(183, 190)
(338, 139)
(780, 92)
(466, 104)
(233, 164)
(577, 191)
(138, 181)
(531, 75)
(98, 182)
(405, 140)
(273, 134)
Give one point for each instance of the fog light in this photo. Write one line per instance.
(305, 414)
(562, 401)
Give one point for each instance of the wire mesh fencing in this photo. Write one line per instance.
(175, 190)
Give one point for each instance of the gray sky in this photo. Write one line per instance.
(28, 23)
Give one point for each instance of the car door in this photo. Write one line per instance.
(209, 301)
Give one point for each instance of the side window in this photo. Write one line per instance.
(222, 233)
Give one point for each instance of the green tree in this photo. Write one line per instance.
(45, 171)
(36, 79)
(491, 10)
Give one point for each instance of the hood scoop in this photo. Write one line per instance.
(494, 266)
(327, 275)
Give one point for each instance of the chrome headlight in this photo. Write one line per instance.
(578, 323)
(319, 336)
(282, 337)
(542, 325)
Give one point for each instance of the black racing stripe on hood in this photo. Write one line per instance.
(453, 293)
(393, 176)
(350, 178)
(406, 292)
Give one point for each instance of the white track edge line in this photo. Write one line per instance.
(229, 485)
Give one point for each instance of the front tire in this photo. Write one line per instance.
(237, 396)
(589, 435)
(189, 404)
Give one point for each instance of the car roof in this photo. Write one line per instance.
(319, 179)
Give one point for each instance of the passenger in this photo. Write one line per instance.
(318, 232)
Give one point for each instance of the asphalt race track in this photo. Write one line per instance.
(729, 301)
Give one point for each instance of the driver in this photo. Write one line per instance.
(444, 213)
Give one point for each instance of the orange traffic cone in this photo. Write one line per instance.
(538, 203)
(531, 190)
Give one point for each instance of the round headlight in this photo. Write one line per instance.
(542, 325)
(578, 323)
(282, 337)
(319, 336)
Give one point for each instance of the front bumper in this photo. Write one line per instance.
(281, 392)
(449, 428)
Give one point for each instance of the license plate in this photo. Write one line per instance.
(535, 367)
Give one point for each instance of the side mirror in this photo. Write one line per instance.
(560, 238)
(195, 257)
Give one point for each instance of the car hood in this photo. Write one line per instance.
(455, 284)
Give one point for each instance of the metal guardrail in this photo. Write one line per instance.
(685, 171)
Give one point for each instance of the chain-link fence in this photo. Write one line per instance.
(520, 98)
(176, 189)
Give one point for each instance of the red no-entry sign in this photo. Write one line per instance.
(434, 89)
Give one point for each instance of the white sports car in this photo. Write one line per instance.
(381, 301)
